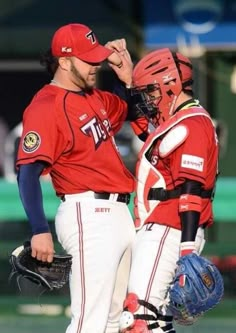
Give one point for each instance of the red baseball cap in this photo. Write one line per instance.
(79, 41)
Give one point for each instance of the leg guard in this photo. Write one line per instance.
(130, 325)
(143, 323)
(165, 327)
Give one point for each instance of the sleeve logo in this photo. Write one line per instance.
(192, 162)
(31, 142)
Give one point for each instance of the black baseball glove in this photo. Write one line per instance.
(49, 275)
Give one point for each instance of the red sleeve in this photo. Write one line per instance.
(116, 109)
(196, 158)
(140, 125)
(39, 138)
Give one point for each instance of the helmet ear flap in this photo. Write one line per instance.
(185, 70)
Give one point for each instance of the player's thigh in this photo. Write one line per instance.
(154, 257)
(96, 242)
(97, 235)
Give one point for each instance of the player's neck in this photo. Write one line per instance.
(71, 87)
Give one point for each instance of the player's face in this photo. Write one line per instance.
(149, 103)
(83, 74)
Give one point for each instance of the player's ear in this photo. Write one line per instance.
(64, 63)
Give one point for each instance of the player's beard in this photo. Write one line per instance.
(79, 80)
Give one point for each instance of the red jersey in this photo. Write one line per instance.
(74, 134)
(194, 156)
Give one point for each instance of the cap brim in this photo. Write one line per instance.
(98, 54)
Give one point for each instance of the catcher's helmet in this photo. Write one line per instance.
(202, 290)
(166, 72)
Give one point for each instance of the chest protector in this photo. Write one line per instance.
(147, 175)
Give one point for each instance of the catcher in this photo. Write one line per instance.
(176, 174)
(50, 276)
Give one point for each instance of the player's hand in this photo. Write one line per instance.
(120, 60)
(42, 247)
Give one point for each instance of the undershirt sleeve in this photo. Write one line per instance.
(31, 196)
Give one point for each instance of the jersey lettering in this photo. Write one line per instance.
(149, 226)
(154, 160)
(95, 130)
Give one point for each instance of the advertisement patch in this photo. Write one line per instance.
(192, 162)
(31, 142)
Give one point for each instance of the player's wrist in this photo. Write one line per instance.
(187, 248)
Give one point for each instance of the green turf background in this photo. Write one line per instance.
(221, 319)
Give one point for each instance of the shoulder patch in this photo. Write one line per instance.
(173, 139)
(31, 142)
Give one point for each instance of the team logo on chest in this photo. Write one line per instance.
(31, 142)
(98, 131)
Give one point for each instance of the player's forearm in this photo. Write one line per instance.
(189, 222)
(31, 196)
(138, 121)
(189, 210)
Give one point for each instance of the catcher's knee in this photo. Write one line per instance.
(134, 322)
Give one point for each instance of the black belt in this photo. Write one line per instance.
(162, 194)
(121, 197)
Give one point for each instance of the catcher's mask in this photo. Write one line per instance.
(159, 78)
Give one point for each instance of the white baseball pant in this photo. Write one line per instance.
(96, 233)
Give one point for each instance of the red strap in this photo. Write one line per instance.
(188, 202)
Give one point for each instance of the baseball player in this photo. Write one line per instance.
(68, 132)
(176, 173)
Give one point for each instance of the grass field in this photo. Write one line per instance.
(26, 324)
(48, 316)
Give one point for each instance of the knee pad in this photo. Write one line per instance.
(127, 319)
(131, 303)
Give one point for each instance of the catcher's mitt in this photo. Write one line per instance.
(49, 275)
(202, 289)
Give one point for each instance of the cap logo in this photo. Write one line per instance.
(91, 36)
(167, 78)
(66, 49)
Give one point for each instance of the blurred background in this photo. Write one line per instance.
(205, 31)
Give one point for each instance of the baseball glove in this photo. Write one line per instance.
(197, 287)
(49, 275)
